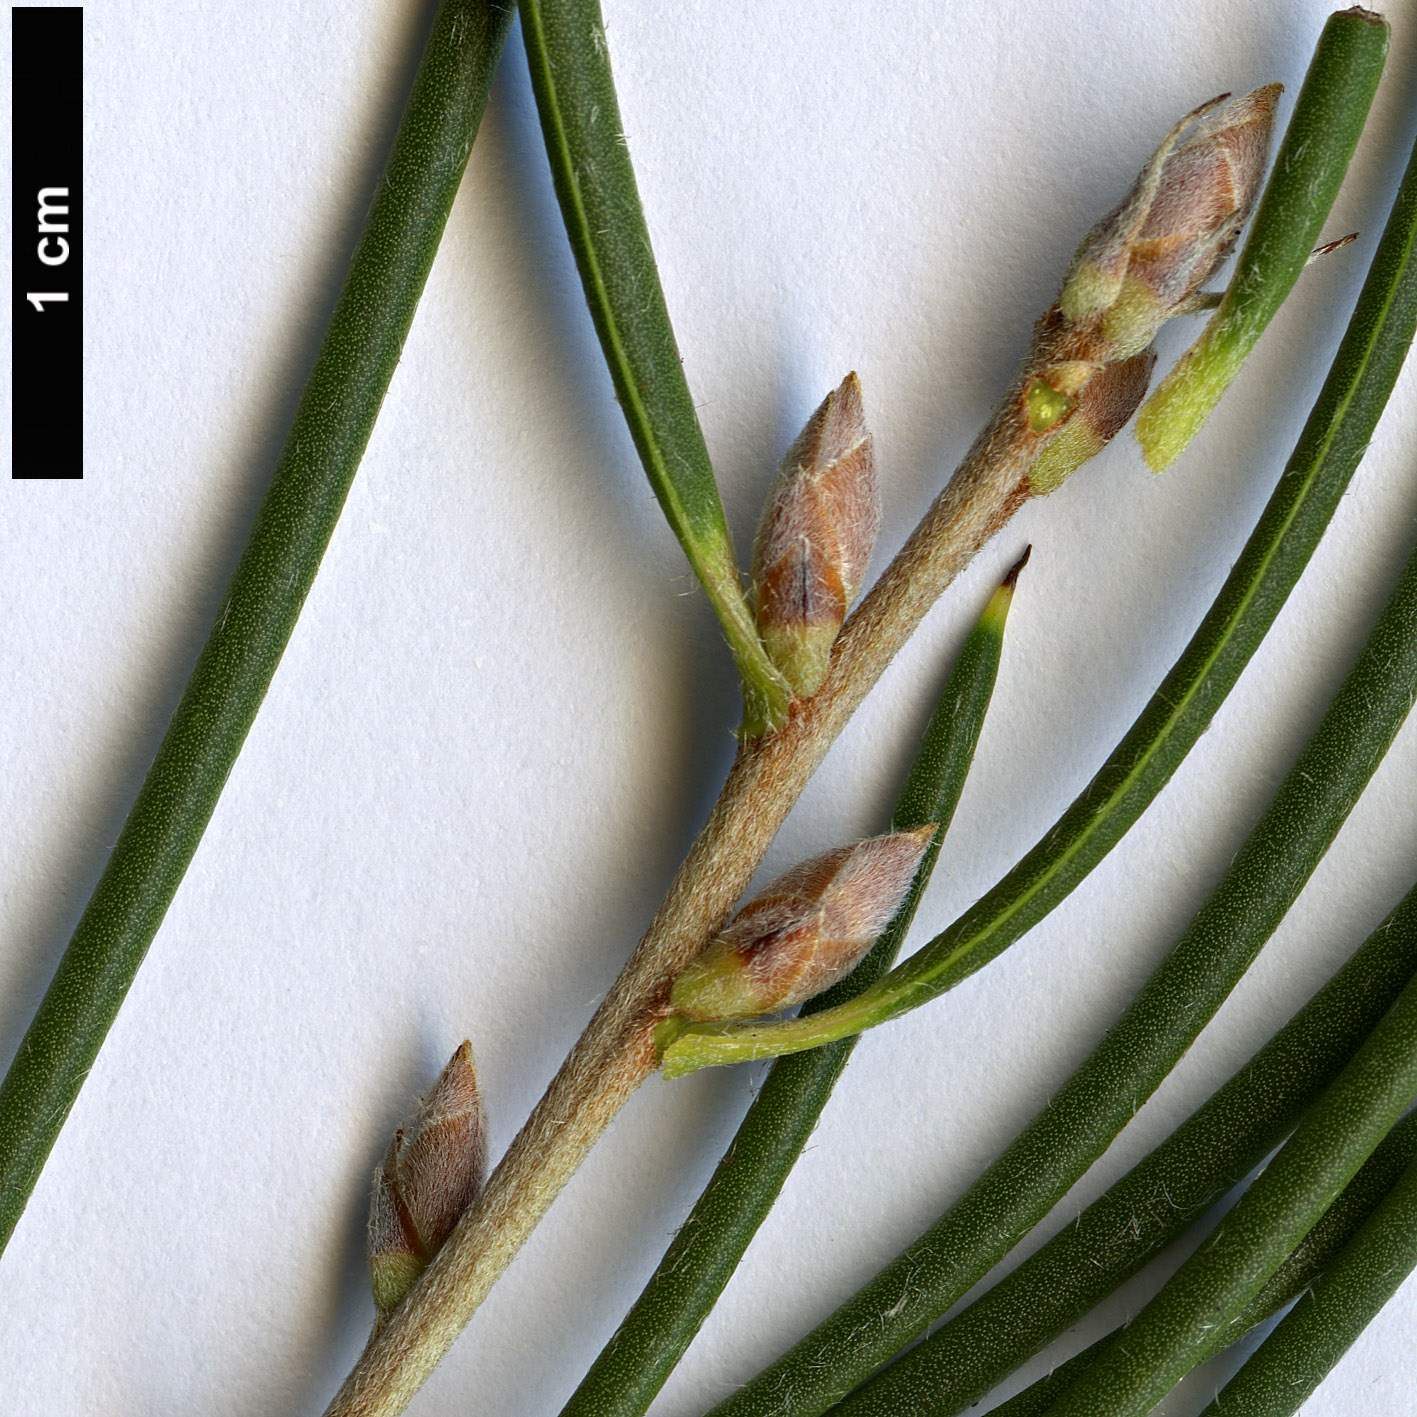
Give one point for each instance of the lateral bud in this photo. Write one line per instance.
(1101, 410)
(815, 540)
(807, 929)
(434, 1167)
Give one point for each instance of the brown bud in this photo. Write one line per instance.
(1147, 260)
(807, 929)
(433, 1168)
(1103, 406)
(816, 537)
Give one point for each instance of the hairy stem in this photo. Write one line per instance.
(1051, 1154)
(632, 1368)
(616, 1054)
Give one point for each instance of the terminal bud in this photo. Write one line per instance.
(1147, 261)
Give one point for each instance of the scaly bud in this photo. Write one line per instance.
(1102, 407)
(816, 537)
(1147, 261)
(808, 928)
(433, 1168)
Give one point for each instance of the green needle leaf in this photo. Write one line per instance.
(1093, 1106)
(1339, 1303)
(1328, 118)
(653, 1336)
(292, 528)
(1307, 1266)
(595, 185)
(1170, 1335)
(1208, 1154)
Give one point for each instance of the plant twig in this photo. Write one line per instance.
(1078, 1123)
(1328, 451)
(688, 1280)
(293, 526)
(616, 1052)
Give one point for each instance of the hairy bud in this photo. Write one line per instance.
(1146, 261)
(433, 1168)
(816, 537)
(807, 929)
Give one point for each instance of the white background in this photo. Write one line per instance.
(505, 709)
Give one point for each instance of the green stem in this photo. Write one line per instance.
(1328, 119)
(1170, 1335)
(253, 624)
(642, 1352)
(1093, 1106)
(1208, 1155)
(1323, 1246)
(600, 202)
(1340, 1303)
(1323, 462)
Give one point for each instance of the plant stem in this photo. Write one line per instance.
(1328, 451)
(615, 1053)
(687, 1282)
(268, 587)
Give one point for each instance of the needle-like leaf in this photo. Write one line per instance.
(600, 202)
(253, 623)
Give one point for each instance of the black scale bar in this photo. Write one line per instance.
(47, 281)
